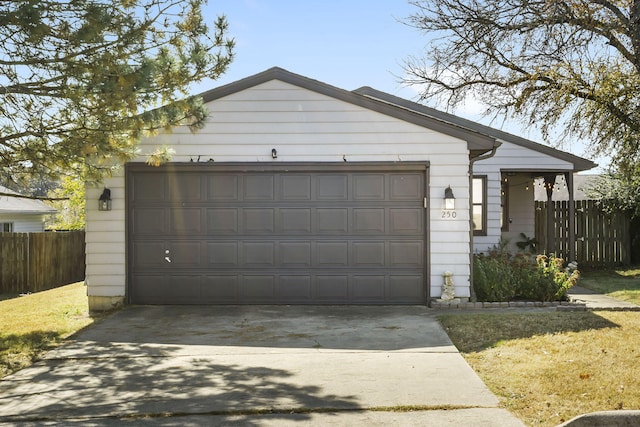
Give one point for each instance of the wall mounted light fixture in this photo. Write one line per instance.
(449, 200)
(104, 202)
(274, 153)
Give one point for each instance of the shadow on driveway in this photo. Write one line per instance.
(151, 361)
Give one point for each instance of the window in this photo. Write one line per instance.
(479, 205)
(6, 227)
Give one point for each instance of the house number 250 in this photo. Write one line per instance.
(449, 214)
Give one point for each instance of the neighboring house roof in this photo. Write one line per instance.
(20, 205)
(477, 142)
(560, 193)
(580, 164)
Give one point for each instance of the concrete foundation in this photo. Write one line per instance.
(100, 303)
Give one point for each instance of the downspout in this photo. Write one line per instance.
(496, 145)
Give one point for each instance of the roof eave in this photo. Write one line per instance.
(579, 163)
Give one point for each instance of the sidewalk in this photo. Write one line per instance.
(595, 301)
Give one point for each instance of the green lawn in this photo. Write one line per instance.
(35, 323)
(623, 284)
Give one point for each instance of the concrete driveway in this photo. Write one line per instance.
(255, 366)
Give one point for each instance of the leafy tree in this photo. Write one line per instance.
(82, 80)
(573, 65)
(35, 184)
(70, 206)
(617, 193)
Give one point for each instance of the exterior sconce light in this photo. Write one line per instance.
(104, 202)
(449, 200)
(274, 153)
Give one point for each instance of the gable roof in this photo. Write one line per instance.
(579, 163)
(20, 205)
(480, 138)
(478, 142)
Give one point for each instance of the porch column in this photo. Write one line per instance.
(568, 178)
(549, 183)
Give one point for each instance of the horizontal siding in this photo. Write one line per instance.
(111, 287)
(449, 238)
(105, 241)
(25, 223)
(303, 126)
(512, 157)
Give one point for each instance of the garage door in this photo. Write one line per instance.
(285, 234)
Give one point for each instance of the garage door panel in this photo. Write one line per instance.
(407, 186)
(294, 288)
(369, 221)
(332, 187)
(258, 221)
(185, 187)
(149, 254)
(369, 187)
(184, 254)
(185, 221)
(150, 289)
(149, 187)
(149, 221)
(257, 288)
(222, 221)
(183, 289)
(368, 254)
(222, 254)
(295, 221)
(405, 288)
(295, 254)
(332, 253)
(258, 254)
(220, 288)
(368, 288)
(259, 187)
(406, 254)
(295, 187)
(332, 221)
(406, 221)
(332, 288)
(223, 188)
(332, 237)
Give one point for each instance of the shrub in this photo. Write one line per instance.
(500, 276)
(492, 278)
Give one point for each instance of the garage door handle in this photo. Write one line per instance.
(167, 259)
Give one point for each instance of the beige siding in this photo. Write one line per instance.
(303, 126)
(512, 157)
(105, 241)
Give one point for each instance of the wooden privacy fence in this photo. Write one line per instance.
(32, 262)
(602, 239)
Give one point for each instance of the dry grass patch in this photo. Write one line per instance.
(35, 323)
(548, 367)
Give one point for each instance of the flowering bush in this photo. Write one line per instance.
(500, 276)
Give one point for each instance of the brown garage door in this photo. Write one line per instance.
(276, 234)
